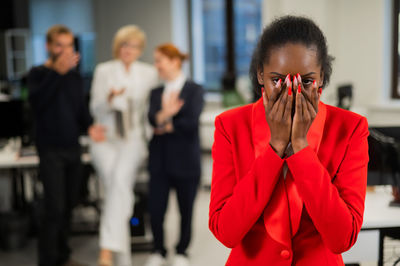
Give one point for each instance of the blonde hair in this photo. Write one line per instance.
(125, 34)
(55, 30)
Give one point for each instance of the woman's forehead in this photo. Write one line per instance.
(293, 58)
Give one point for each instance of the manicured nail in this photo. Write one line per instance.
(299, 89)
(287, 77)
(298, 77)
(290, 91)
(279, 83)
(320, 90)
(314, 82)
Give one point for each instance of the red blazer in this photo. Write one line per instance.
(308, 218)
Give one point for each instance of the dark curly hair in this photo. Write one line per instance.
(290, 29)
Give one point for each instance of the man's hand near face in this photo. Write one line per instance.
(65, 62)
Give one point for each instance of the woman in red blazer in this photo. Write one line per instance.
(289, 172)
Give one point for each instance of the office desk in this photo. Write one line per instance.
(19, 166)
(24, 189)
(14, 161)
(379, 217)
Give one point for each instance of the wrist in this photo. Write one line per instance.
(59, 71)
(279, 147)
(163, 118)
(299, 144)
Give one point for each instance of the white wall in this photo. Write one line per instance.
(163, 21)
(358, 34)
(152, 16)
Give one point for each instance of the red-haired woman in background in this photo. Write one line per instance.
(174, 159)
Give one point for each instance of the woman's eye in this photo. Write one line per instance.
(307, 82)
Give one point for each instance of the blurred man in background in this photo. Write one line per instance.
(57, 98)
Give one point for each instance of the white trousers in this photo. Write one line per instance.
(117, 163)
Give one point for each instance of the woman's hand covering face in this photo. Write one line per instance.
(291, 127)
(306, 109)
(278, 112)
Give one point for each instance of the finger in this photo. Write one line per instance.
(100, 127)
(315, 96)
(299, 82)
(72, 61)
(76, 56)
(175, 95)
(298, 108)
(264, 98)
(300, 87)
(274, 95)
(277, 104)
(304, 108)
(278, 89)
(121, 91)
(178, 99)
(282, 103)
(295, 82)
(311, 110)
(289, 105)
(305, 93)
(75, 60)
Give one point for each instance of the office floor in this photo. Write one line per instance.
(204, 249)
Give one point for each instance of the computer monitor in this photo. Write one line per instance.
(384, 156)
(11, 121)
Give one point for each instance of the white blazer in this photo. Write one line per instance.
(138, 82)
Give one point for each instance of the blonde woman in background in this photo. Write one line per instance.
(119, 95)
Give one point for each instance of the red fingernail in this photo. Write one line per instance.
(320, 90)
(279, 82)
(314, 82)
(299, 89)
(287, 77)
(290, 91)
(298, 76)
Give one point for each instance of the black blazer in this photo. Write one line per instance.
(177, 153)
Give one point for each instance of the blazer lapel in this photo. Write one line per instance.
(314, 138)
(276, 213)
(184, 92)
(159, 98)
(282, 214)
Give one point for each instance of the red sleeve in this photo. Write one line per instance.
(335, 203)
(237, 202)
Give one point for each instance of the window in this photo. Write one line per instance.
(208, 30)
